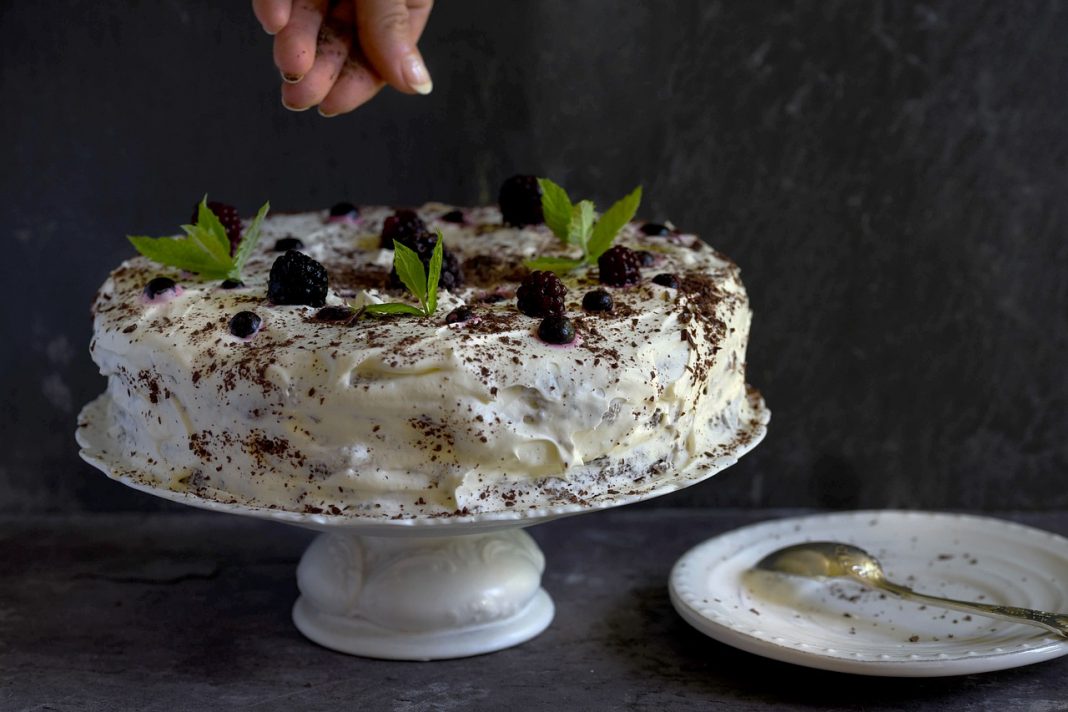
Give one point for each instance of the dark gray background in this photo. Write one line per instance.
(891, 176)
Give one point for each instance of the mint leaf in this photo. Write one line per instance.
(435, 276)
(392, 308)
(609, 224)
(248, 241)
(556, 207)
(205, 248)
(186, 254)
(578, 228)
(577, 224)
(410, 270)
(553, 264)
(209, 229)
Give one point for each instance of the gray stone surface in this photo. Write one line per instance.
(889, 175)
(191, 612)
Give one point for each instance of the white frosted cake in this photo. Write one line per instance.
(319, 408)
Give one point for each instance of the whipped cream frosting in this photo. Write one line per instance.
(414, 416)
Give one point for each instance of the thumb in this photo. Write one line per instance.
(388, 30)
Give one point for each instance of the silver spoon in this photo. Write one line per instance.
(817, 559)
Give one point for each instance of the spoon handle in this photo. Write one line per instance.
(1055, 622)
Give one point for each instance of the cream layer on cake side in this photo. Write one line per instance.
(416, 414)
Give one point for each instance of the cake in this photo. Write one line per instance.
(216, 391)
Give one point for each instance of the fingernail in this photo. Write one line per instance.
(417, 76)
(294, 108)
(324, 114)
(292, 78)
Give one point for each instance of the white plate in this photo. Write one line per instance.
(838, 625)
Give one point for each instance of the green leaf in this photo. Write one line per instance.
(392, 308)
(209, 229)
(578, 229)
(248, 241)
(556, 207)
(186, 254)
(609, 225)
(553, 264)
(206, 242)
(435, 276)
(205, 249)
(410, 270)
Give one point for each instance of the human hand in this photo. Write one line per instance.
(340, 53)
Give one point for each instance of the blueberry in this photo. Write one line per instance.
(556, 330)
(245, 324)
(597, 301)
(666, 280)
(458, 314)
(232, 284)
(655, 229)
(288, 243)
(453, 216)
(646, 258)
(344, 210)
(158, 286)
(297, 279)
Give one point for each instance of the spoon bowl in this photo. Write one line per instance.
(829, 559)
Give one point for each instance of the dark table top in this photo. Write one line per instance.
(191, 611)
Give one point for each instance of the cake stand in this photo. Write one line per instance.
(404, 587)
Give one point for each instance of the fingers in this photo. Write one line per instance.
(388, 30)
(294, 45)
(323, 64)
(272, 14)
(357, 85)
(332, 51)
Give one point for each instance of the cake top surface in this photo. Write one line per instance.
(468, 400)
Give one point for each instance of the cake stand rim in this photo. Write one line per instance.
(430, 525)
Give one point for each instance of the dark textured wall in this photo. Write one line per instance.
(891, 176)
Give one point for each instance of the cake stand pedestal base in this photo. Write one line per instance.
(422, 597)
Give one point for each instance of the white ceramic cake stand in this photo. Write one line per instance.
(422, 588)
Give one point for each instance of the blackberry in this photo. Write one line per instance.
(344, 210)
(646, 258)
(597, 301)
(666, 280)
(458, 315)
(520, 201)
(158, 286)
(655, 229)
(453, 216)
(452, 275)
(297, 279)
(556, 330)
(619, 266)
(407, 228)
(245, 324)
(334, 314)
(232, 284)
(228, 216)
(289, 243)
(541, 294)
